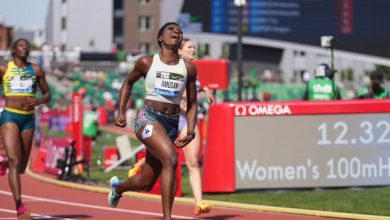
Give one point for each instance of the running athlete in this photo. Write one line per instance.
(20, 79)
(167, 76)
(187, 51)
(191, 152)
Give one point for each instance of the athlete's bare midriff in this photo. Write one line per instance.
(18, 102)
(167, 108)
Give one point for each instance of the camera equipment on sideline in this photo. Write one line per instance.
(323, 70)
(67, 164)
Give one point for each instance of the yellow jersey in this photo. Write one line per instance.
(19, 81)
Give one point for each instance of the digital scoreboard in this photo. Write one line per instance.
(295, 17)
(312, 151)
(358, 26)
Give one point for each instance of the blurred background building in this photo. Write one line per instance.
(82, 25)
(6, 35)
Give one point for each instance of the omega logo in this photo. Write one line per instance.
(253, 110)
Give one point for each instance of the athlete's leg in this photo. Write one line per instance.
(12, 144)
(27, 139)
(161, 147)
(161, 158)
(150, 172)
(191, 154)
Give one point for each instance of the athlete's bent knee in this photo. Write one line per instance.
(14, 164)
(192, 164)
(170, 161)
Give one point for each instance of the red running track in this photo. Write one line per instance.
(50, 201)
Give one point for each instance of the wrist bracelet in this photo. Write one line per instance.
(192, 134)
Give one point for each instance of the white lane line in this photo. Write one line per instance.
(96, 207)
(33, 214)
(7, 218)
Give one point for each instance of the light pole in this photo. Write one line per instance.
(328, 43)
(240, 4)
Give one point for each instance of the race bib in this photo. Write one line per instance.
(169, 84)
(19, 84)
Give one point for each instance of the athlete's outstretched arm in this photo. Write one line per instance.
(140, 69)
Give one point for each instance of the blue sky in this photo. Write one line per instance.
(24, 13)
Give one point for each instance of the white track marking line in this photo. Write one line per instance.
(95, 206)
(7, 218)
(33, 214)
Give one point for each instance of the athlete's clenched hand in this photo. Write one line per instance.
(120, 121)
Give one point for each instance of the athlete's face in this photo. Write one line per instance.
(21, 49)
(188, 51)
(172, 35)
